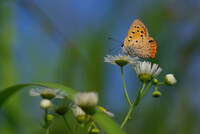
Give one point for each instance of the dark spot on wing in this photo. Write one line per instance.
(130, 36)
(129, 40)
(136, 41)
(138, 30)
(138, 27)
(150, 41)
(141, 35)
(142, 31)
(132, 32)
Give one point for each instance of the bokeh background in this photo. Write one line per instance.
(65, 41)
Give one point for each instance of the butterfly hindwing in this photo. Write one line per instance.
(144, 47)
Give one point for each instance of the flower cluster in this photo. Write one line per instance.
(145, 70)
(85, 104)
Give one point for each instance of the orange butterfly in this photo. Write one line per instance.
(138, 42)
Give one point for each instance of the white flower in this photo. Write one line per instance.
(86, 99)
(47, 93)
(120, 60)
(107, 112)
(146, 72)
(77, 111)
(80, 115)
(170, 79)
(45, 103)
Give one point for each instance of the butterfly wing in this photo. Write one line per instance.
(144, 47)
(136, 31)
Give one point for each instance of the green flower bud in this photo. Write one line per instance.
(155, 81)
(82, 119)
(156, 94)
(94, 131)
(50, 117)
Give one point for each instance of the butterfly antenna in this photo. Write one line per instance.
(113, 48)
(115, 40)
(118, 50)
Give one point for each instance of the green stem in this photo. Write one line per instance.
(46, 120)
(126, 94)
(144, 84)
(82, 127)
(127, 116)
(47, 131)
(146, 90)
(133, 104)
(161, 83)
(67, 124)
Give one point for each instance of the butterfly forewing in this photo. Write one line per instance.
(137, 30)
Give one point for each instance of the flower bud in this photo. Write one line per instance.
(94, 131)
(50, 117)
(156, 94)
(45, 104)
(155, 81)
(170, 79)
(80, 115)
(86, 101)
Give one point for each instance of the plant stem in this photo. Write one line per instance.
(146, 90)
(161, 83)
(82, 127)
(47, 131)
(46, 121)
(144, 84)
(126, 94)
(127, 116)
(67, 124)
(143, 92)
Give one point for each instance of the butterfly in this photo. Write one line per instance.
(138, 43)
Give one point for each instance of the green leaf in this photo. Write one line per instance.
(105, 122)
